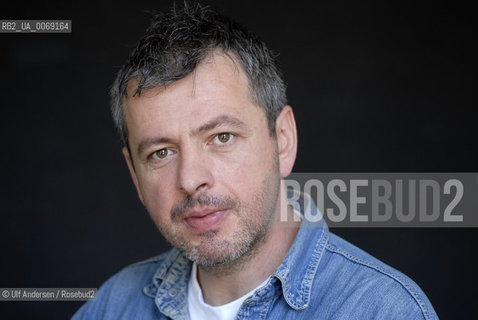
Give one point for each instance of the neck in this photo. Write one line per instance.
(228, 282)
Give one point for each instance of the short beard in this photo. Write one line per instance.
(225, 256)
(236, 251)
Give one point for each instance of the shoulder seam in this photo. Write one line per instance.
(397, 278)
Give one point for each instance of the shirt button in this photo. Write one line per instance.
(173, 292)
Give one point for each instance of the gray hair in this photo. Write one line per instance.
(178, 41)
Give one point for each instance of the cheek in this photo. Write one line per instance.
(246, 170)
(158, 191)
(257, 158)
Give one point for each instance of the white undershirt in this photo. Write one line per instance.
(200, 310)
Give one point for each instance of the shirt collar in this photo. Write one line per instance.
(169, 286)
(299, 267)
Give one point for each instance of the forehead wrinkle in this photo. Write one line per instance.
(194, 80)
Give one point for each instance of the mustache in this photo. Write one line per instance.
(216, 202)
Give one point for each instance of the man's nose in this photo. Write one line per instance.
(195, 171)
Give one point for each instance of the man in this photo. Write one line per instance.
(208, 138)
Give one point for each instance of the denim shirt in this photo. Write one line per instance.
(321, 277)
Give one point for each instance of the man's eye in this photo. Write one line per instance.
(161, 154)
(223, 138)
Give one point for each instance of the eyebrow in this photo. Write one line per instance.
(219, 121)
(145, 143)
(210, 125)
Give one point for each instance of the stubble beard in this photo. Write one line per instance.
(226, 254)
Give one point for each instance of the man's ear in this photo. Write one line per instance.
(132, 172)
(286, 133)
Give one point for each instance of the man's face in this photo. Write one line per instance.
(205, 164)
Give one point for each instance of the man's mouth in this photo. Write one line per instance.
(203, 220)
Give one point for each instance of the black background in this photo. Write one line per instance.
(376, 87)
